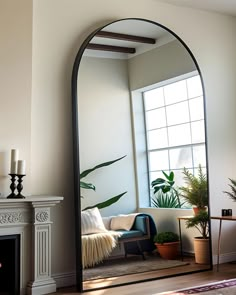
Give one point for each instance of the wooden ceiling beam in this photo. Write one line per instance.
(125, 37)
(102, 47)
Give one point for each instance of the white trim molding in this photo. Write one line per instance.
(65, 279)
(224, 258)
(30, 218)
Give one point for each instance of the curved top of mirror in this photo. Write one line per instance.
(114, 66)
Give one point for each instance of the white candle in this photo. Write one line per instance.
(14, 159)
(21, 167)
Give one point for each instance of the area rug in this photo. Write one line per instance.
(226, 287)
(124, 266)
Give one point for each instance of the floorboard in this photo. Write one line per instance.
(226, 271)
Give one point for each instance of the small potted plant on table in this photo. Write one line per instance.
(167, 244)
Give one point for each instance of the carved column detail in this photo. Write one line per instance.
(42, 282)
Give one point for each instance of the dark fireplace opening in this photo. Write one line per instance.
(10, 265)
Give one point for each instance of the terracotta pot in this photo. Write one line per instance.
(202, 251)
(168, 250)
(197, 209)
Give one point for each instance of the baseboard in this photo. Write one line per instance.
(224, 258)
(65, 279)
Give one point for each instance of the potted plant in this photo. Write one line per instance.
(167, 244)
(165, 194)
(232, 193)
(201, 243)
(196, 190)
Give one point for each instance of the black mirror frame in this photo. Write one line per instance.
(76, 162)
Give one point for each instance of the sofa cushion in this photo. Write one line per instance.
(129, 234)
(91, 222)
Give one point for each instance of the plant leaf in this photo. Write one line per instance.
(88, 171)
(106, 203)
(169, 177)
(158, 181)
(87, 185)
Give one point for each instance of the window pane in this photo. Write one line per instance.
(194, 86)
(153, 98)
(179, 135)
(175, 92)
(179, 177)
(199, 155)
(156, 118)
(196, 108)
(158, 160)
(155, 175)
(198, 132)
(180, 157)
(177, 113)
(157, 138)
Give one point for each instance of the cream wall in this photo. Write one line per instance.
(15, 87)
(59, 27)
(105, 132)
(165, 62)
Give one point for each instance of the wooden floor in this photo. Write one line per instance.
(112, 281)
(226, 271)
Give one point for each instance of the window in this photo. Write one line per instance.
(174, 125)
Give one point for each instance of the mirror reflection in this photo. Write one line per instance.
(142, 156)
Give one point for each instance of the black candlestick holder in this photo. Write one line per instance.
(19, 186)
(12, 186)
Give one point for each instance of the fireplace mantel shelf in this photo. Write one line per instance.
(32, 199)
(31, 219)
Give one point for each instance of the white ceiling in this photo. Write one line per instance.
(131, 27)
(220, 6)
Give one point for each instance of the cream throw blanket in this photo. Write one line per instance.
(123, 221)
(96, 247)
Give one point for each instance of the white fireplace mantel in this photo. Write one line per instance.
(31, 219)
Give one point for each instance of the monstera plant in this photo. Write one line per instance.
(90, 186)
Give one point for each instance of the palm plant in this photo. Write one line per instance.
(232, 193)
(201, 222)
(196, 190)
(90, 186)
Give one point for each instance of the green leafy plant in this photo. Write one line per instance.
(201, 222)
(90, 186)
(165, 195)
(232, 193)
(166, 200)
(196, 190)
(164, 184)
(166, 237)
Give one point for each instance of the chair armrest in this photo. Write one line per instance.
(142, 224)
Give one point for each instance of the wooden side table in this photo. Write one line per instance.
(221, 218)
(180, 233)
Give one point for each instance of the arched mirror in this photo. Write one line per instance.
(139, 139)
